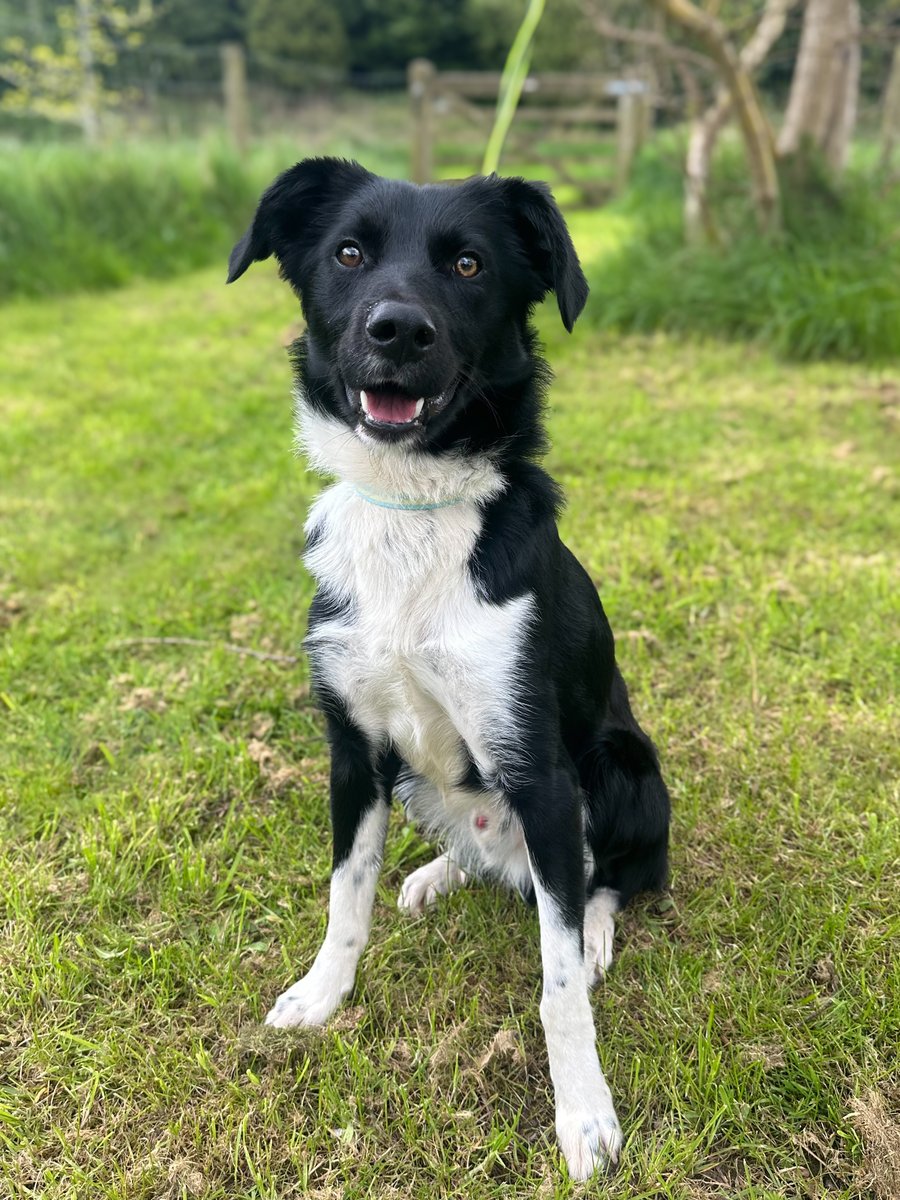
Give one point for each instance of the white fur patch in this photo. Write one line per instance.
(586, 1123)
(312, 999)
(482, 835)
(333, 448)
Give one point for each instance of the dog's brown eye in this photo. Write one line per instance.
(350, 255)
(467, 265)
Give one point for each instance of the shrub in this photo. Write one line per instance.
(829, 288)
(73, 218)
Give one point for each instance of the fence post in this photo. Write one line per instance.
(631, 124)
(234, 88)
(890, 113)
(420, 76)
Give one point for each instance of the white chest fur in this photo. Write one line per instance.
(419, 657)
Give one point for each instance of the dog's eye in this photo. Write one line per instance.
(467, 265)
(349, 255)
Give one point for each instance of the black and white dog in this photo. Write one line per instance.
(459, 652)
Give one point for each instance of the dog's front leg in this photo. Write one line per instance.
(586, 1123)
(360, 795)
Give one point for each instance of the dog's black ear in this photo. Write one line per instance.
(543, 232)
(291, 210)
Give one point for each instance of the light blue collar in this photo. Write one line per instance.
(406, 503)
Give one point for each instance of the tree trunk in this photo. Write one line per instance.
(821, 112)
(699, 225)
(89, 97)
(742, 94)
(890, 113)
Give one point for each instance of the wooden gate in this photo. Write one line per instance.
(558, 111)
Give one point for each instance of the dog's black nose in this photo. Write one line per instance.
(401, 331)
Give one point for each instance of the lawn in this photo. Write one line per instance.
(165, 843)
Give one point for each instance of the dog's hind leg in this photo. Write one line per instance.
(627, 808)
(599, 931)
(360, 792)
(423, 886)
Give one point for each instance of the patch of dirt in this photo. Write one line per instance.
(243, 626)
(770, 1054)
(277, 772)
(262, 725)
(879, 1131)
(12, 608)
(504, 1043)
(824, 973)
(144, 699)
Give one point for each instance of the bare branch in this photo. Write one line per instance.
(705, 131)
(646, 37)
(742, 93)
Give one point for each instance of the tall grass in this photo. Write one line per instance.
(73, 218)
(830, 288)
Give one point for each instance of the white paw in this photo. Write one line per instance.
(599, 932)
(422, 887)
(311, 1000)
(588, 1138)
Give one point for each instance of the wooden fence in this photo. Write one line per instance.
(554, 107)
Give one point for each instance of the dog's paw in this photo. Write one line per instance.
(310, 1001)
(599, 932)
(589, 1139)
(422, 887)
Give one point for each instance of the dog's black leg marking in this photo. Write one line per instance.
(360, 779)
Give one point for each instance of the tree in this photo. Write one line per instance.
(563, 40)
(821, 112)
(706, 127)
(288, 36)
(737, 82)
(184, 41)
(384, 35)
(66, 83)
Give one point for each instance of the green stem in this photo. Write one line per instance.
(515, 72)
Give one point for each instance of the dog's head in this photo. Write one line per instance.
(416, 297)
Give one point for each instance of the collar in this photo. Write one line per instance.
(406, 503)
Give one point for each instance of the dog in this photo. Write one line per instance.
(459, 652)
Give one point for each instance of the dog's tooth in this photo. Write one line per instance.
(364, 401)
(420, 404)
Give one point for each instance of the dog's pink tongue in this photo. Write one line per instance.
(390, 407)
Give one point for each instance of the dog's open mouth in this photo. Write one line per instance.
(390, 408)
(387, 407)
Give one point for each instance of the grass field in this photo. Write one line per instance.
(165, 840)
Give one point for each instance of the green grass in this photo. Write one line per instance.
(164, 857)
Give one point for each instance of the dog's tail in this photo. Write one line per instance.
(628, 805)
